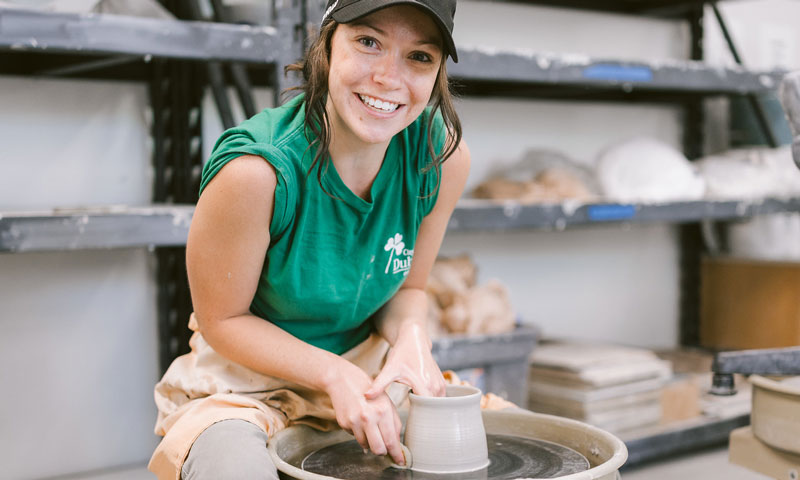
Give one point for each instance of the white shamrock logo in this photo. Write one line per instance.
(396, 243)
(394, 246)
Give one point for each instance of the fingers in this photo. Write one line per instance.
(361, 438)
(375, 438)
(380, 384)
(391, 438)
(378, 429)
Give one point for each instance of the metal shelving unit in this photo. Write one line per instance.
(177, 59)
(687, 83)
(164, 52)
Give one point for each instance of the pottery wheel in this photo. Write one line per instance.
(510, 458)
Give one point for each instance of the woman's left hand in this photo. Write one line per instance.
(410, 362)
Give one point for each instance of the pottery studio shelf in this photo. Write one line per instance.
(94, 228)
(533, 74)
(104, 34)
(104, 46)
(484, 215)
(168, 225)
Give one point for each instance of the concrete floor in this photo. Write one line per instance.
(705, 465)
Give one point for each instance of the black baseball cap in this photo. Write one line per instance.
(442, 11)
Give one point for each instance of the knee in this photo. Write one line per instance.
(231, 449)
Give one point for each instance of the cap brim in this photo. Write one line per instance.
(357, 10)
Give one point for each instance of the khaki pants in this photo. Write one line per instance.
(230, 449)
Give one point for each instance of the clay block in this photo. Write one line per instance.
(680, 400)
(747, 451)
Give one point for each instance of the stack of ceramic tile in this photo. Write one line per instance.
(612, 387)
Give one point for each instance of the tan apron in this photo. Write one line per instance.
(203, 387)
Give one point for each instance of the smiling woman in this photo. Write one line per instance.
(317, 225)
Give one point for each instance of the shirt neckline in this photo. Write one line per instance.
(341, 190)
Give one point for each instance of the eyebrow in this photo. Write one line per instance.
(424, 41)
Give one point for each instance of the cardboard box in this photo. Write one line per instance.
(748, 304)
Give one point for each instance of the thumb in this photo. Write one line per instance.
(379, 385)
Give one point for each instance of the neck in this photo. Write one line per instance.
(356, 162)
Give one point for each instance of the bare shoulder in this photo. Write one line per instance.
(242, 193)
(455, 171)
(457, 165)
(245, 175)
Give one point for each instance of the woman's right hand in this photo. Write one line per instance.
(374, 423)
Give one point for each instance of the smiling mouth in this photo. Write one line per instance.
(377, 104)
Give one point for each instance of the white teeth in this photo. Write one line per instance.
(379, 104)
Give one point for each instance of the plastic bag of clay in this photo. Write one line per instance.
(450, 277)
(750, 173)
(482, 310)
(541, 176)
(457, 305)
(646, 170)
(767, 237)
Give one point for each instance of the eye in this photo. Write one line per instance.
(368, 42)
(421, 57)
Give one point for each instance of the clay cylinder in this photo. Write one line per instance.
(446, 434)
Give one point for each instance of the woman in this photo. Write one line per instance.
(309, 217)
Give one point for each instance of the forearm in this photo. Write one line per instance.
(269, 350)
(406, 311)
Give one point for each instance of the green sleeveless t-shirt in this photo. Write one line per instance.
(333, 262)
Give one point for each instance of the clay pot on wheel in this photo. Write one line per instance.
(446, 434)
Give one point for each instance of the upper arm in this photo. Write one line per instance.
(228, 238)
(431, 232)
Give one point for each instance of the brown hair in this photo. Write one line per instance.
(314, 69)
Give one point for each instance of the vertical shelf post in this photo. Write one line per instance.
(176, 100)
(288, 19)
(690, 241)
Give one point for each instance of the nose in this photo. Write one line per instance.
(388, 71)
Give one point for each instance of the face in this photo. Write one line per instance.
(382, 71)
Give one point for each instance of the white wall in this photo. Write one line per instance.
(79, 349)
(79, 359)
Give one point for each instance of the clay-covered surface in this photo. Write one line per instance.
(510, 457)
